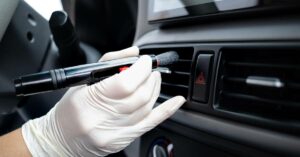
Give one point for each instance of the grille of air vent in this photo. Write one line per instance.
(176, 83)
(260, 83)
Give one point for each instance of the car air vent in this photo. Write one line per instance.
(260, 83)
(176, 83)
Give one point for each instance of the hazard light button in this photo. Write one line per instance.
(202, 77)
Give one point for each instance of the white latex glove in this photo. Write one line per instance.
(103, 118)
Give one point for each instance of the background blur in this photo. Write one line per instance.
(45, 7)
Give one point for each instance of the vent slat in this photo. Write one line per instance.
(264, 65)
(234, 79)
(263, 101)
(174, 85)
(293, 85)
(163, 97)
(181, 73)
(173, 90)
(182, 66)
(184, 60)
(176, 78)
(239, 80)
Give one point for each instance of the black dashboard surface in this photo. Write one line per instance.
(279, 30)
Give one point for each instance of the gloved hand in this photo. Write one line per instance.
(103, 118)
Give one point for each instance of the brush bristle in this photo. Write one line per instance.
(167, 58)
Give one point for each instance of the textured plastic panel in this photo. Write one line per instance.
(22, 51)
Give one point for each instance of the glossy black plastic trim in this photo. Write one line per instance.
(196, 14)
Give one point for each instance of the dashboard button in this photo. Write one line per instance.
(202, 77)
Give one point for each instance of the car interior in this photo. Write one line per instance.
(238, 68)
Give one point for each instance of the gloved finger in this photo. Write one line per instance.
(140, 109)
(125, 83)
(158, 115)
(126, 106)
(129, 52)
(139, 114)
(140, 97)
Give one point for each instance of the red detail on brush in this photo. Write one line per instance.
(123, 68)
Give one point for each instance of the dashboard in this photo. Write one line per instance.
(240, 77)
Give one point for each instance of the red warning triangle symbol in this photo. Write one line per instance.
(201, 79)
